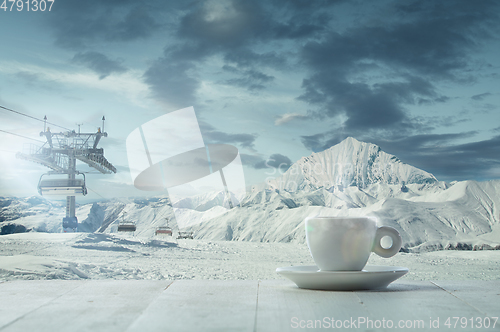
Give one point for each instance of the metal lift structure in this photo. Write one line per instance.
(60, 153)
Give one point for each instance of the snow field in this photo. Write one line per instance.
(107, 256)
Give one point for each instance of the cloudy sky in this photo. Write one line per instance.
(279, 79)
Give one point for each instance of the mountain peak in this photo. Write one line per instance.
(349, 163)
(354, 143)
(349, 140)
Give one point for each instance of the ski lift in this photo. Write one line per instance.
(126, 226)
(61, 186)
(164, 230)
(185, 235)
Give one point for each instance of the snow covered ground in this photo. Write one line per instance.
(115, 256)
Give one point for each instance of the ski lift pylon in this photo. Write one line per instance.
(70, 224)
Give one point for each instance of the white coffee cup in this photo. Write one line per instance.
(345, 243)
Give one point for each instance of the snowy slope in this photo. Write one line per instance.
(424, 222)
(428, 216)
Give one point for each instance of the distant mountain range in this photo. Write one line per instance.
(352, 178)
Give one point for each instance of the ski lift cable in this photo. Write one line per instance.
(34, 139)
(118, 198)
(95, 192)
(32, 117)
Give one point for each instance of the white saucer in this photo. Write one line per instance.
(371, 277)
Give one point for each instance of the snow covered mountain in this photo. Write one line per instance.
(350, 179)
(428, 216)
(349, 163)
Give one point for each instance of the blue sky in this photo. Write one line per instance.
(278, 79)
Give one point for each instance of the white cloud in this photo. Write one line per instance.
(287, 117)
(128, 85)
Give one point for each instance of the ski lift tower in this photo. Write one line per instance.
(60, 153)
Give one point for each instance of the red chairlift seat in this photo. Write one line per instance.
(163, 231)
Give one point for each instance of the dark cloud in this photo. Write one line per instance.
(244, 57)
(79, 24)
(225, 25)
(307, 7)
(425, 101)
(245, 140)
(429, 124)
(250, 160)
(276, 160)
(250, 79)
(314, 143)
(173, 82)
(395, 144)
(213, 136)
(234, 30)
(424, 43)
(366, 106)
(99, 63)
(469, 161)
(418, 143)
(481, 96)
(136, 24)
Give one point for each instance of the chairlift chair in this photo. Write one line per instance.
(126, 226)
(163, 230)
(61, 186)
(185, 235)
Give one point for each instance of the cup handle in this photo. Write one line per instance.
(396, 242)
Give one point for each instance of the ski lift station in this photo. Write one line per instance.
(60, 153)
